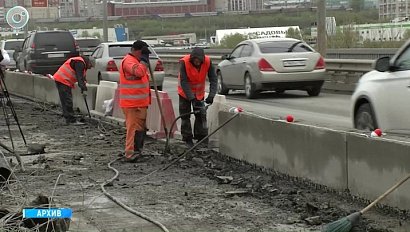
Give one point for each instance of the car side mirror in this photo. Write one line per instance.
(383, 64)
(226, 57)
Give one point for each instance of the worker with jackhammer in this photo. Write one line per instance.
(191, 90)
(72, 71)
(135, 97)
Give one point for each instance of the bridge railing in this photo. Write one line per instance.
(343, 74)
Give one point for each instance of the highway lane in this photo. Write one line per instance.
(328, 110)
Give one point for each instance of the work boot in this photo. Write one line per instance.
(132, 158)
(139, 140)
(189, 143)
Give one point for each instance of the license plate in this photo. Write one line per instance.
(55, 55)
(294, 63)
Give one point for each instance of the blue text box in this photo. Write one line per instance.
(48, 213)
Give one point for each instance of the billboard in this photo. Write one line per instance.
(254, 33)
(39, 3)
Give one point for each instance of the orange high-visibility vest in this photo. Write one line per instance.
(133, 93)
(66, 75)
(196, 78)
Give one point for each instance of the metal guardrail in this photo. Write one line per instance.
(343, 73)
(349, 65)
(334, 65)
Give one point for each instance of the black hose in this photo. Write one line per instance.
(127, 208)
(168, 138)
(190, 149)
(172, 126)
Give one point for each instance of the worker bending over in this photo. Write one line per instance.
(72, 71)
(191, 90)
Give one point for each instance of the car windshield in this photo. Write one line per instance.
(120, 50)
(59, 40)
(88, 43)
(11, 45)
(283, 47)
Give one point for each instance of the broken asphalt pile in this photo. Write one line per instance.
(205, 191)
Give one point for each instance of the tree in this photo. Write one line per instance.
(230, 41)
(346, 37)
(357, 5)
(97, 34)
(85, 34)
(406, 34)
(293, 33)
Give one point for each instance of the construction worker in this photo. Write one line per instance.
(191, 90)
(4, 58)
(71, 72)
(135, 97)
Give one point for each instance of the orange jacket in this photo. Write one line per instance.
(196, 78)
(66, 74)
(134, 83)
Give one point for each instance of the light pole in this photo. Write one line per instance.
(321, 27)
(105, 27)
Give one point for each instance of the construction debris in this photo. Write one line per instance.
(224, 179)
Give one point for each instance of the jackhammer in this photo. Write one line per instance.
(197, 110)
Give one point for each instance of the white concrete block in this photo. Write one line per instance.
(105, 91)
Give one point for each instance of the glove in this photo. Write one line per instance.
(209, 100)
(145, 58)
(145, 51)
(197, 104)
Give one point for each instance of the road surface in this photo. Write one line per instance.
(328, 110)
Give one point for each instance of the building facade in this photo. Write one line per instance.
(138, 8)
(394, 9)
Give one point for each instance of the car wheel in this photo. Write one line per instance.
(221, 86)
(364, 118)
(314, 91)
(250, 90)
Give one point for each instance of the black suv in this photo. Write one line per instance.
(87, 45)
(43, 52)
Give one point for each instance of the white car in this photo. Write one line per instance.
(10, 46)
(381, 99)
(278, 64)
(107, 58)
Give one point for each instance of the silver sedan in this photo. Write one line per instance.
(278, 64)
(107, 58)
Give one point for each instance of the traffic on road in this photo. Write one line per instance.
(254, 66)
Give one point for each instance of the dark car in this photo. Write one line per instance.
(87, 45)
(44, 52)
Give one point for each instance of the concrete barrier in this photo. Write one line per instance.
(20, 83)
(105, 91)
(43, 89)
(154, 122)
(316, 154)
(213, 118)
(342, 160)
(374, 165)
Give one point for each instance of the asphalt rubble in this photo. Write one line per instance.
(204, 191)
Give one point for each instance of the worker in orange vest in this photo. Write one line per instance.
(135, 97)
(71, 72)
(191, 90)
